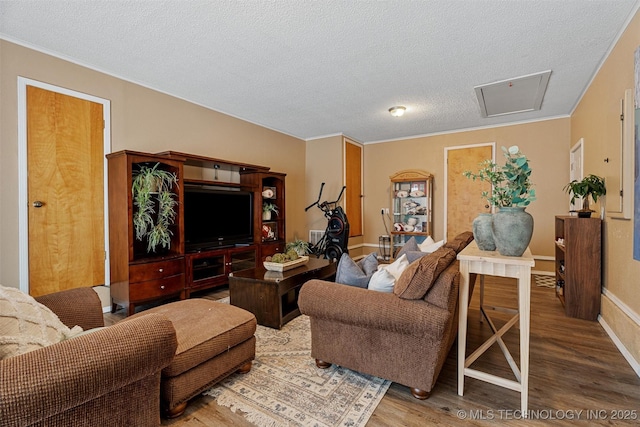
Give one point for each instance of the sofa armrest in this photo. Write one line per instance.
(80, 306)
(51, 380)
(371, 309)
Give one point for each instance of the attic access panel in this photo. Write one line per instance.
(515, 95)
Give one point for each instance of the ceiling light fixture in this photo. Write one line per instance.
(397, 111)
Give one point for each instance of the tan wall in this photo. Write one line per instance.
(544, 143)
(601, 140)
(143, 120)
(324, 159)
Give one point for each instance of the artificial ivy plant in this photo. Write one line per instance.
(151, 187)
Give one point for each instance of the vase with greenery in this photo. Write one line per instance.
(154, 205)
(591, 186)
(267, 209)
(512, 191)
(301, 247)
(511, 183)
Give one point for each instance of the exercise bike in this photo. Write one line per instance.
(336, 236)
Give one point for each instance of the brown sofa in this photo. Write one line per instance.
(107, 377)
(382, 334)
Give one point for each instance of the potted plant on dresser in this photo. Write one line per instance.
(509, 230)
(591, 186)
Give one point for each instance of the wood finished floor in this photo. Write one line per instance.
(574, 366)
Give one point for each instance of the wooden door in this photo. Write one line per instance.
(464, 201)
(65, 192)
(353, 181)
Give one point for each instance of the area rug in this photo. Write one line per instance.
(285, 388)
(545, 281)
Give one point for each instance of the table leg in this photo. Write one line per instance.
(524, 305)
(481, 297)
(463, 305)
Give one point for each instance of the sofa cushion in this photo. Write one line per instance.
(382, 281)
(356, 274)
(369, 264)
(460, 241)
(204, 329)
(428, 241)
(385, 278)
(414, 255)
(430, 248)
(410, 245)
(414, 250)
(440, 292)
(27, 325)
(418, 278)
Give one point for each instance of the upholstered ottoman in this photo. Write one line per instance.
(214, 341)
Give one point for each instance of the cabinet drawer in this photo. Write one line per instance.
(156, 288)
(155, 270)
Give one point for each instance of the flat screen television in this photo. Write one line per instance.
(217, 218)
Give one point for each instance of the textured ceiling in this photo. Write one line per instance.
(317, 68)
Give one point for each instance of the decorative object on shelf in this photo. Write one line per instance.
(268, 233)
(269, 193)
(301, 247)
(151, 187)
(483, 231)
(511, 192)
(267, 209)
(591, 185)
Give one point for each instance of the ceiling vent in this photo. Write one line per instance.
(515, 95)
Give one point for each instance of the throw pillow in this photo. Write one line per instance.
(426, 243)
(382, 281)
(369, 264)
(351, 273)
(414, 255)
(418, 278)
(409, 246)
(27, 325)
(432, 247)
(385, 278)
(396, 267)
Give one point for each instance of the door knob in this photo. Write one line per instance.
(38, 204)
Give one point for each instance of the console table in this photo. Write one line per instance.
(473, 260)
(273, 296)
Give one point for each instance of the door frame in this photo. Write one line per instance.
(23, 202)
(346, 141)
(446, 173)
(576, 158)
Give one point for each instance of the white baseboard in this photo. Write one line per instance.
(622, 306)
(623, 350)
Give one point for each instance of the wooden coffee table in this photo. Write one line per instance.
(273, 296)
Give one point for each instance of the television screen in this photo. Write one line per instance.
(214, 218)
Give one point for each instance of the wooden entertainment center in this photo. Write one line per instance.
(139, 276)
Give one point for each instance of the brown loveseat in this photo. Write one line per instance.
(110, 377)
(403, 339)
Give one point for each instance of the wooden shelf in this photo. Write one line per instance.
(581, 256)
(197, 160)
(213, 183)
